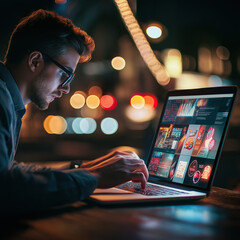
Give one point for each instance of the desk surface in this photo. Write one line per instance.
(216, 217)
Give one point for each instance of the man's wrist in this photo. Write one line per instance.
(97, 176)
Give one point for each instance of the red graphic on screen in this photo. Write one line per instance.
(172, 173)
(199, 140)
(208, 143)
(201, 132)
(190, 140)
(172, 170)
(192, 168)
(196, 177)
(202, 102)
(211, 144)
(187, 108)
(206, 172)
(189, 143)
(210, 133)
(154, 165)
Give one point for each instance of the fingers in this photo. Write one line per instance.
(125, 154)
(120, 167)
(126, 165)
(105, 157)
(129, 154)
(113, 157)
(101, 159)
(139, 177)
(138, 166)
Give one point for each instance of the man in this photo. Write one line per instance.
(39, 65)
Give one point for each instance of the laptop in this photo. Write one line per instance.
(185, 150)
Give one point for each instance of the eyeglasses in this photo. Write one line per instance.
(69, 74)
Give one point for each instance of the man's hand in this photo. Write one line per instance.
(116, 168)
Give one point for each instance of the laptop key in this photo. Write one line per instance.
(150, 190)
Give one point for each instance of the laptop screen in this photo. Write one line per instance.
(189, 137)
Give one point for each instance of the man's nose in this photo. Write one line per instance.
(65, 89)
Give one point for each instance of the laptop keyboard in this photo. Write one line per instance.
(150, 190)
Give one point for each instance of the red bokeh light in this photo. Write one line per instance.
(150, 100)
(108, 102)
(60, 1)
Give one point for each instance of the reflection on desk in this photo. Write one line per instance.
(216, 217)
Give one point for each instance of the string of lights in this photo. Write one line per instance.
(141, 42)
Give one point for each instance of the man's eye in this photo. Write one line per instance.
(63, 74)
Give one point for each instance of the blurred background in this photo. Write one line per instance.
(116, 99)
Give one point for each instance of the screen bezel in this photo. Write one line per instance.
(192, 92)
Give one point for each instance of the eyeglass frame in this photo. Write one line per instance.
(70, 74)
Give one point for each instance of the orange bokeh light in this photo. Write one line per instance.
(137, 101)
(92, 101)
(95, 90)
(55, 124)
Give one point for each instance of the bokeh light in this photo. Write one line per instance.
(46, 124)
(157, 69)
(154, 31)
(95, 90)
(222, 53)
(108, 102)
(137, 101)
(109, 125)
(88, 125)
(205, 64)
(214, 81)
(77, 100)
(150, 101)
(118, 63)
(93, 101)
(173, 62)
(55, 124)
(140, 115)
(60, 1)
(76, 125)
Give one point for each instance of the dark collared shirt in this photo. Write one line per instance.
(29, 187)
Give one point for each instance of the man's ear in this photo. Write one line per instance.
(35, 60)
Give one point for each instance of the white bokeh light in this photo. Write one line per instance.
(88, 125)
(109, 125)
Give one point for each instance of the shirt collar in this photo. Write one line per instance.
(7, 77)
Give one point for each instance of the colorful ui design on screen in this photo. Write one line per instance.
(188, 138)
